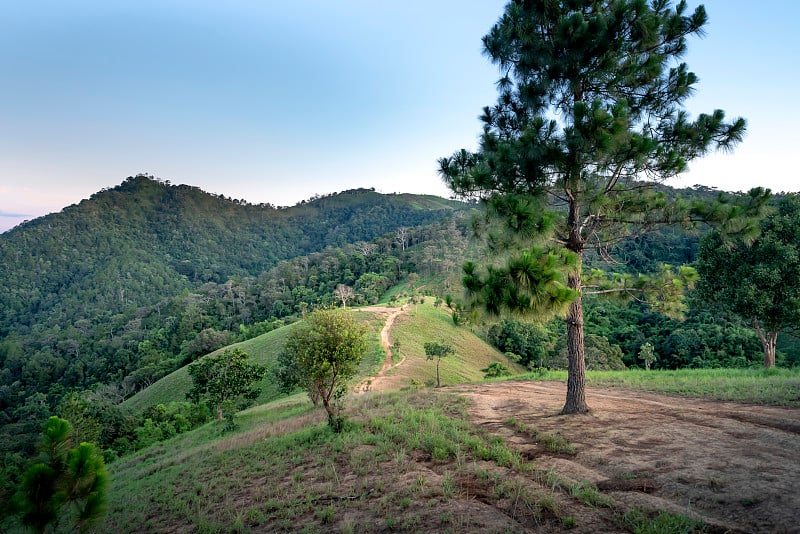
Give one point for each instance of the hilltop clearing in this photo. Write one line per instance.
(482, 457)
(734, 466)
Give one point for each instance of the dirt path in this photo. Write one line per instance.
(737, 467)
(378, 382)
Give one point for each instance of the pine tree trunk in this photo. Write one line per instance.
(576, 361)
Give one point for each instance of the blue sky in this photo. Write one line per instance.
(278, 101)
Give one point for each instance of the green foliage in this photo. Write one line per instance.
(639, 522)
(758, 281)
(573, 150)
(647, 355)
(531, 284)
(436, 349)
(226, 381)
(587, 493)
(701, 340)
(85, 480)
(601, 355)
(68, 482)
(534, 343)
(495, 370)
(326, 350)
(161, 422)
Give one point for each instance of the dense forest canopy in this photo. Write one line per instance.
(141, 279)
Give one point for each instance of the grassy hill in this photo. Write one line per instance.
(420, 323)
(264, 350)
(283, 470)
(424, 323)
(409, 459)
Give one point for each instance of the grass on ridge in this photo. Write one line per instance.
(779, 387)
(264, 350)
(284, 470)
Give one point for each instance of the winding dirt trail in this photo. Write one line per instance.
(735, 466)
(378, 382)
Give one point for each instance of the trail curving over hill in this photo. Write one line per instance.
(375, 383)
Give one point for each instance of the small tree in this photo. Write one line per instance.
(223, 379)
(344, 293)
(64, 479)
(437, 350)
(647, 355)
(326, 350)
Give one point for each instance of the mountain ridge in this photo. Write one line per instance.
(138, 279)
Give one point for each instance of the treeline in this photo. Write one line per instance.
(118, 354)
(616, 333)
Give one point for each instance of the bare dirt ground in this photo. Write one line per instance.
(736, 467)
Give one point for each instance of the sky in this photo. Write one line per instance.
(275, 102)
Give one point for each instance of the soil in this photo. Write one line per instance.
(734, 466)
(382, 381)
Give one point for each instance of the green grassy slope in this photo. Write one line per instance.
(423, 323)
(419, 324)
(408, 460)
(264, 350)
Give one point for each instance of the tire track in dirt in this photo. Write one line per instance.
(735, 466)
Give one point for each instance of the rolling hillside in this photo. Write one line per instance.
(416, 325)
(140, 279)
(263, 350)
(145, 240)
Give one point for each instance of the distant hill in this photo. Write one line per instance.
(139, 279)
(146, 239)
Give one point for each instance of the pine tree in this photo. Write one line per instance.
(65, 480)
(590, 118)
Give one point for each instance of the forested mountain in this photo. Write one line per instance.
(139, 279)
(147, 239)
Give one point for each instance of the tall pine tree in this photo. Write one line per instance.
(590, 118)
